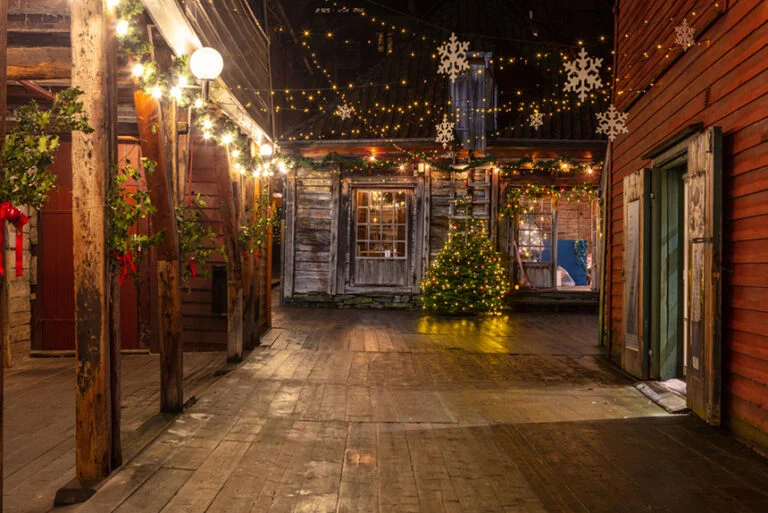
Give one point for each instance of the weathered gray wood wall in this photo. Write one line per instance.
(312, 231)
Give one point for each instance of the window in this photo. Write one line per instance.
(534, 230)
(381, 223)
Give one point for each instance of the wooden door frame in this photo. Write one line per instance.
(415, 214)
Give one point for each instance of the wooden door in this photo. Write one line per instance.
(702, 322)
(634, 359)
(381, 252)
(55, 313)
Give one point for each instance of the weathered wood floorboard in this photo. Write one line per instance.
(357, 411)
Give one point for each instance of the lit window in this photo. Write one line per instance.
(534, 230)
(381, 223)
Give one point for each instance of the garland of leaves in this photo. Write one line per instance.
(523, 166)
(517, 194)
(126, 208)
(253, 237)
(29, 148)
(193, 237)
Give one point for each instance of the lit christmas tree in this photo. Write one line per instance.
(467, 276)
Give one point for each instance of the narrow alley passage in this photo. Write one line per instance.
(365, 411)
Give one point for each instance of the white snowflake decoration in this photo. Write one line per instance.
(343, 111)
(453, 57)
(612, 123)
(583, 74)
(444, 132)
(684, 35)
(536, 120)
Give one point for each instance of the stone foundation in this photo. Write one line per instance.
(376, 301)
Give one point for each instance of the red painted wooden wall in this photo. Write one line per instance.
(722, 81)
(53, 314)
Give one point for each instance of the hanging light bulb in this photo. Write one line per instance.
(206, 135)
(227, 138)
(157, 92)
(207, 124)
(282, 167)
(206, 64)
(198, 103)
(235, 153)
(137, 70)
(122, 28)
(183, 81)
(175, 92)
(266, 150)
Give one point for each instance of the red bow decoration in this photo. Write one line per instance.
(126, 260)
(14, 216)
(244, 253)
(191, 266)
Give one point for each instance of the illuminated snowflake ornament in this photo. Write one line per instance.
(583, 74)
(612, 123)
(453, 57)
(343, 111)
(444, 132)
(684, 35)
(536, 120)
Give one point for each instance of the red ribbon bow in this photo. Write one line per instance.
(191, 266)
(126, 260)
(14, 216)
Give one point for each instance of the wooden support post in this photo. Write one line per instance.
(3, 108)
(229, 199)
(248, 211)
(168, 268)
(93, 156)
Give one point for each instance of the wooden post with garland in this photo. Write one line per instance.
(3, 297)
(94, 60)
(229, 206)
(149, 118)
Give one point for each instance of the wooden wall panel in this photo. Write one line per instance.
(312, 231)
(721, 82)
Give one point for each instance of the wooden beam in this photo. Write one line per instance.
(3, 294)
(229, 199)
(148, 116)
(38, 63)
(94, 71)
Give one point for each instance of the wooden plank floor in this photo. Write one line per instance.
(40, 420)
(364, 411)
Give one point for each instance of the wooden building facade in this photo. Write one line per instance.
(688, 187)
(365, 238)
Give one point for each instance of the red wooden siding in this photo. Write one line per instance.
(204, 330)
(723, 81)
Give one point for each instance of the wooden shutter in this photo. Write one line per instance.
(634, 352)
(702, 327)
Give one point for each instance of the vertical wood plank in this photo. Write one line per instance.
(3, 294)
(288, 235)
(268, 264)
(228, 206)
(148, 115)
(494, 213)
(427, 221)
(333, 253)
(93, 71)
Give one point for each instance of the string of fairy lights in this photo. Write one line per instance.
(252, 156)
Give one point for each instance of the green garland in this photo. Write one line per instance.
(580, 247)
(193, 238)
(518, 193)
(29, 148)
(125, 210)
(253, 237)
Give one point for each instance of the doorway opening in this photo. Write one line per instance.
(667, 274)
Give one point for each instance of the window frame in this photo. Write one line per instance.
(381, 225)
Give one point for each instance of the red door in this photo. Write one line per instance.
(55, 311)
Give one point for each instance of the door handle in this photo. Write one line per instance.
(701, 240)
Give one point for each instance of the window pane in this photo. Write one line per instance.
(361, 249)
(362, 232)
(400, 246)
(362, 198)
(401, 232)
(362, 215)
